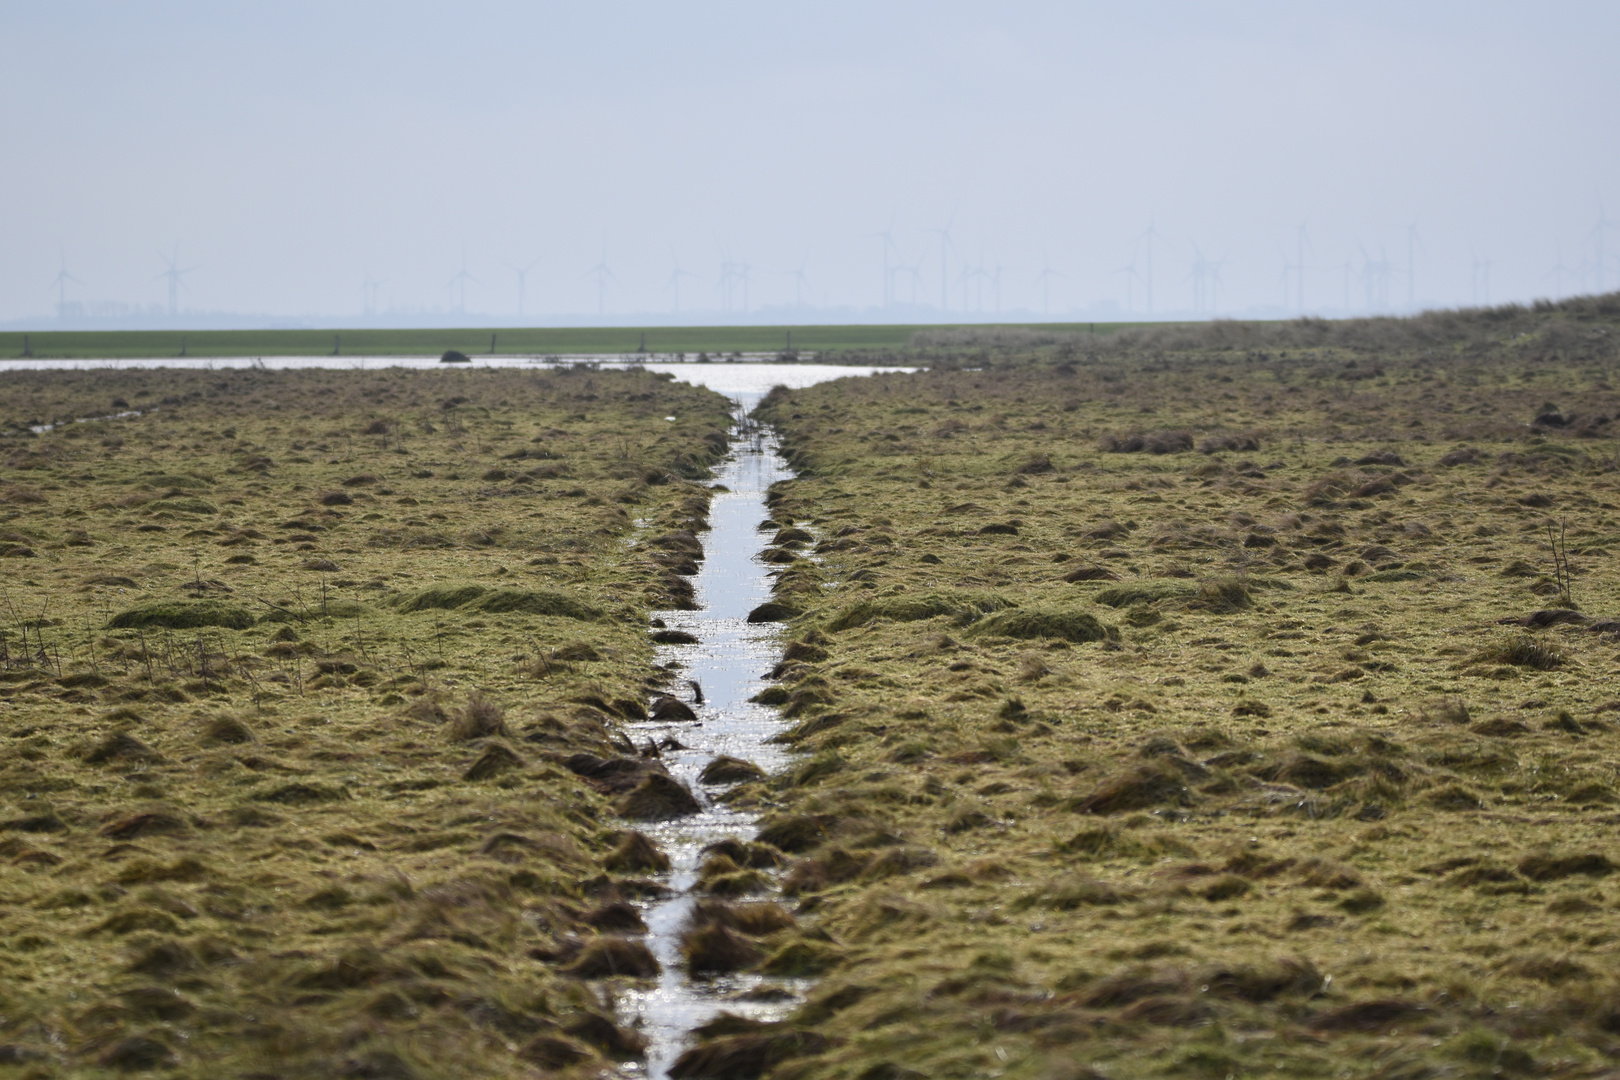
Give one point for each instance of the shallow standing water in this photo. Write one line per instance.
(729, 664)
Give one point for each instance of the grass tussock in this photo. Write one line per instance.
(496, 601)
(916, 608)
(252, 643)
(1060, 624)
(1524, 651)
(1317, 724)
(1152, 442)
(183, 615)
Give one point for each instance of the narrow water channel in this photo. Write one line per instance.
(728, 664)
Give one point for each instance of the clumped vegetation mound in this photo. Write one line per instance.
(288, 780)
(1154, 442)
(1057, 623)
(502, 601)
(1339, 775)
(183, 615)
(915, 608)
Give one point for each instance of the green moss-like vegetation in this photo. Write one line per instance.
(536, 602)
(914, 608)
(438, 598)
(1339, 798)
(1145, 592)
(183, 615)
(276, 800)
(182, 506)
(1057, 623)
(501, 601)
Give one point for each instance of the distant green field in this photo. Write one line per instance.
(691, 340)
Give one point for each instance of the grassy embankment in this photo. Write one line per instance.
(691, 340)
(1207, 703)
(292, 671)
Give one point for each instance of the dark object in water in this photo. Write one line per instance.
(636, 853)
(744, 1057)
(607, 956)
(620, 1044)
(659, 798)
(454, 356)
(716, 950)
(615, 917)
(730, 770)
(674, 637)
(772, 611)
(672, 708)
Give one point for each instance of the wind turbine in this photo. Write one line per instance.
(944, 246)
(461, 277)
(1045, 278)
(887, 236)
(1132, 276)
(173, 274)
(59, 283)
(603, 276)
(521, 272)
(980, 276)
(675, 279)
(1300, 242)
(1375, 278)
(1203, 276)
(914, 272)
(798, 284)
(1558, 273)
(963, 276)
(1215, 269)
(1412, 242)
(1600, 263)
(726, 273)
(1481, 277)
(1294, 271)
(1149, 238)
(368, 293)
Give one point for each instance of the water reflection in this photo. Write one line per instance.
(745, 380)
(729, 664)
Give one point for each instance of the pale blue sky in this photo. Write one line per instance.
(291, 148)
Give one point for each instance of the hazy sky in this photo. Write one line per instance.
(289, 149)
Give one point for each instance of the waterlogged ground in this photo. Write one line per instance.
(313, 686)
(1186, 709)
(1210, 702)
(727, 663)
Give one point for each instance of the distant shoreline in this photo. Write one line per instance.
(667, 342)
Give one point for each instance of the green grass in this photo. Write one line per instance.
(1319, 799)
(606, 341)
(321, 739)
